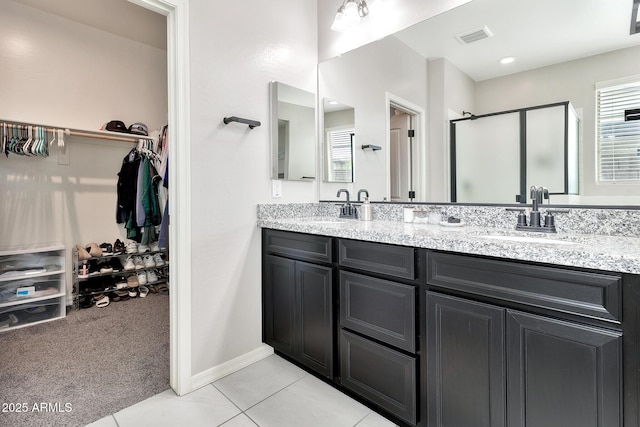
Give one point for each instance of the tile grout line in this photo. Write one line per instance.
(244, 412)
(361, 419)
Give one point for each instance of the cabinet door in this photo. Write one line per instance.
(561, 374)
(278, 303)
(465, 363)
(314, 320)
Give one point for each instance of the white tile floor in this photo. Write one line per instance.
(271, 392)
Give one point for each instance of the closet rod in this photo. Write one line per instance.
(112, 136)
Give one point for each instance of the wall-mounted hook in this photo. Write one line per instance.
(251, 123)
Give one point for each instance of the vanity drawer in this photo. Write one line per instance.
(381, 375)
(378, 308)
(583, 293)
(396, 261)
(306, 247)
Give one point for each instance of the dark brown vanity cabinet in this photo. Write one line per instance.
(554, 361)
(378, 336)
(297, 298)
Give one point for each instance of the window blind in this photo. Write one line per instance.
(340, 155)
(618, 140)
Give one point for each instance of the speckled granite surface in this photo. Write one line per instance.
(601, 239)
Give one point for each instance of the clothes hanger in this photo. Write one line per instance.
(61, 143)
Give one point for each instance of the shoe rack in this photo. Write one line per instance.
(78, 293)
(32, 286)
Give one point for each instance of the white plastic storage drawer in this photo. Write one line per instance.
(16, 316)
(19, 291)
(30, 265)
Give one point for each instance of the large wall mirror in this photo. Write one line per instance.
(568, 49)
(293, 118)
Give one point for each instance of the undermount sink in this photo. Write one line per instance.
(529, 239)
(326, 221)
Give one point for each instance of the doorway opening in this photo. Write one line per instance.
(177, 15)
(407, 154)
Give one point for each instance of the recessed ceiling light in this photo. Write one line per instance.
(507, 60)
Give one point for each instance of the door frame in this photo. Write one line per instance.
(420, 148)
(177, 13)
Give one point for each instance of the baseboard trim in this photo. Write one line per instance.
(213, 374)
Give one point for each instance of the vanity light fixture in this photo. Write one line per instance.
(507, 60)
(349, 14)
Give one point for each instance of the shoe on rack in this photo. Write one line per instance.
(109, 284)
(119, 247)
(142, 278)
(138, 262)
(93, 249)
(143, 248)
(129, 264)
(152, 277)
(123, 294)
(133, 293)
(105, 268)
(144, 291)
(85, 302)
(116, 264)
(132, 247)
(157, 258)
(148, 261)
(154, 247)
(94, 268)
(107, 248)
(83, 270)
(121, 282)
(83, 254)
(132, 281)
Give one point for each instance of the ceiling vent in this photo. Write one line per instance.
(474, 35)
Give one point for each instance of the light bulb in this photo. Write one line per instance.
(339, 22)
(351, 14)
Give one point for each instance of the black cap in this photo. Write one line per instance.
(116, 126)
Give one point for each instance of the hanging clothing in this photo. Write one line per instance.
(163, 238)
(126, 187)
(148, 207)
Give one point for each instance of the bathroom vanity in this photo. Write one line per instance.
(465, 327)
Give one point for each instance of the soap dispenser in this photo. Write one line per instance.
(367, 210)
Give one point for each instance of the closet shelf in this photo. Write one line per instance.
(98, 134)
(121, 273)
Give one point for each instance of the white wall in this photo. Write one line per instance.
(449, 90)
(398, 15)
(60, 73)
(572, 81)
(237, 48)
(361, 78)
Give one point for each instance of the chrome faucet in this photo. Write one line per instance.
(363, 191)
(347, 210)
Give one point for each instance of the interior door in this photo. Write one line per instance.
(400, 157)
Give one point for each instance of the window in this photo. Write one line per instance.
(617, 134)
(340, 158)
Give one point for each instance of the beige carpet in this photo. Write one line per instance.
(93, 363)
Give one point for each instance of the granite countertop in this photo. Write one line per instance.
(601, 252)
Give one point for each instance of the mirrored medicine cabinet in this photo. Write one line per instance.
(292, 117)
